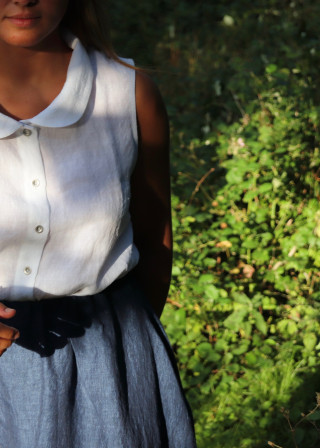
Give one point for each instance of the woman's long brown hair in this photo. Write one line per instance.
(88, 20)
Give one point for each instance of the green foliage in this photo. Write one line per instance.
(241, 83)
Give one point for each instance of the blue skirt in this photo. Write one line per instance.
(92, 372)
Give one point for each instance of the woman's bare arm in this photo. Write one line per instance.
(150, 200)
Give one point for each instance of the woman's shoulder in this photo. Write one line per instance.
(151, 111)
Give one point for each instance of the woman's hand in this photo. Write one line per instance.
(7, 334)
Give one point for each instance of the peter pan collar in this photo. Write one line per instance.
(69, 106)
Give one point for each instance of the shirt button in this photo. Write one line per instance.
(36, 182)
(27, 132)
(39, 229)
(27, 270)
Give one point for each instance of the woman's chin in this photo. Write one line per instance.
(28, 35)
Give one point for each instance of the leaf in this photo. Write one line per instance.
(299, 434)
(250, 195)
(261, 215)
(235, 319)
(176, 271)
(270, 342)
(180, 317)
(241, 349)
(221, 345)
(206, 278)
(314, 416)
(202, 217)
(241, 298)
(264, 188)
(260, 322)
(276, 183)
(271, 68)
(250, 243)
(310, 341)
(211, 292)
(247, 329)
(261, 256)
(251, 358)
(234, 176)
(292, 327)
(207, 352)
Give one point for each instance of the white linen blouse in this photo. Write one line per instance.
(65, 226)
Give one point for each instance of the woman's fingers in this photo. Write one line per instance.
(7, 334)
(5, 312)
(4, 344)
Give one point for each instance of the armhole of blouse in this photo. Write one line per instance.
(134, 116)
(133, 111)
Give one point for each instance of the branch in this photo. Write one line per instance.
(197, 188)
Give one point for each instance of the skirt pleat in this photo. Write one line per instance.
(92, 372)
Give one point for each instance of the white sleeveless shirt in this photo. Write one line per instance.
(65, 227)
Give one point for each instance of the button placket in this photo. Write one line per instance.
(37, 211)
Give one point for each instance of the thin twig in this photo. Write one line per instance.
(292, 429)
(197, 188)
(235, 98)
(174, 303)
(274, 445)
(315, 427)
(306, 416)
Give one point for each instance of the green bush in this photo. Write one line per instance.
(241, 85)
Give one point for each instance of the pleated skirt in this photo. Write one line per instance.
(92, 372)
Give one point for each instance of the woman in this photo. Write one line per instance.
(85, 361)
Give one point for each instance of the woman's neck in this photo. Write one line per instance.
(30, 78)
(21, 64)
